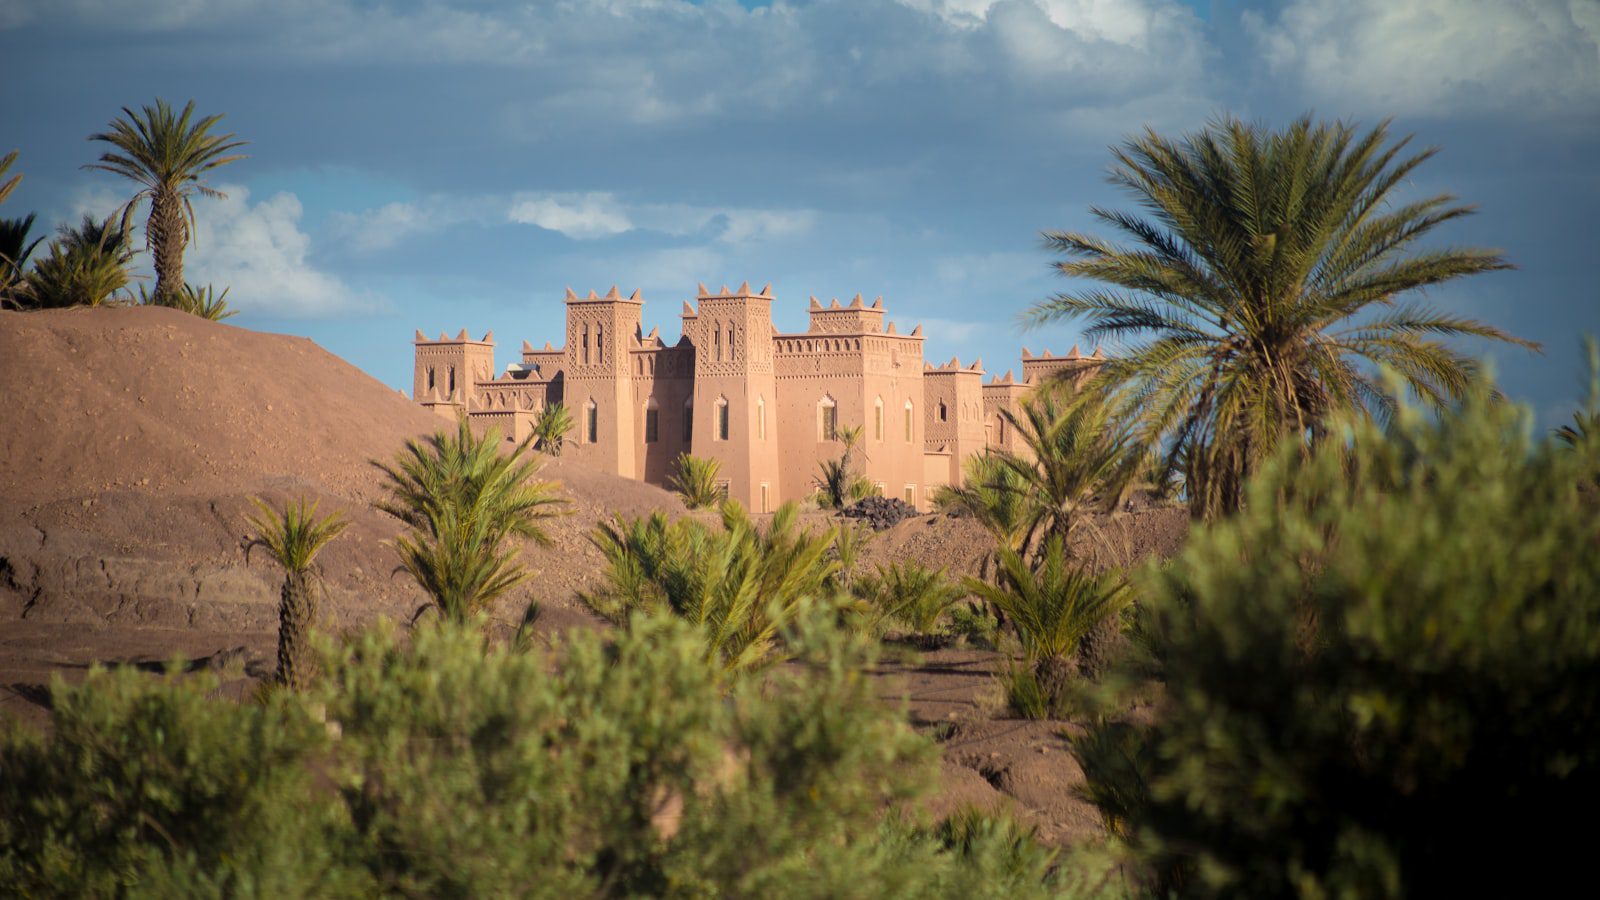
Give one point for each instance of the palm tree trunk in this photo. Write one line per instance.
(296, 613)
(167, 234)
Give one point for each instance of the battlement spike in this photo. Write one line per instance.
(855, 302)
(1073, 353)
(635, 296)
(744, 288)
(834, 303)
(443, 336)
(701, 289)
(592, 296)
(1026, 353)
(917, 331)
(571, 295)
(1098, 354)
(722, 291)
(814, 303)
(1045, 355)
(420, 335)
(977, 365)
(548, 347)
(488, 336)
(687, 309)
(890, 329)
(877, 302)
(463, 336)
(527, 347)
(613, 294)
(766, 290)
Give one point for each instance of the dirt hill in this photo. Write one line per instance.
(134, 439)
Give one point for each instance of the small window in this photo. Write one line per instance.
(909, 419)
(716, 339)
(591, 426)
(430, 378)
(586, 345)
(652, 423)
(452, 381)
(722, 419)
(724, 488)
(827, 420)
(761, 418)
(911, 494)
(944, 414)
(879, 488)
(688, 420)
(600, 343)
(877, 420)
(766, 505)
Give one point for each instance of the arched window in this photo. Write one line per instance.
(430, 378)
(586, 343)
(688, 419)
(652, 421)
(877, 419)
(761, 418)
(600, 343)
(909, 420)
(591, 422)
(827, 419)
(730, 342)
(716, 340)
(722, 419)
(452, 381)
(944, 414)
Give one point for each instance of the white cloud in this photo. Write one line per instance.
(382, 228)
(1439, 56)
(578, 216)
(259, 252)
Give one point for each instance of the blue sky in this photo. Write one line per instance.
(459, 164)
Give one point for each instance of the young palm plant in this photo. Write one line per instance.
(695, 479)
(1077, 461)
(85, 266)
(294, 537)
(912, 596)
(166, 153)
(993, 493)
(1270, 276)
(837, 487)
(15, 248)
(204, 302)
(464, 501)
(551, 429)
(740, 585)
(1052, 604)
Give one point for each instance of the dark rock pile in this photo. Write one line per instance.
(879, 512)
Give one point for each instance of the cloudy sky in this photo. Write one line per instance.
(460, 163)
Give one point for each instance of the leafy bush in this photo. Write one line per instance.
(1052, 607)
(1382, 678)
(446, 768)
(741, 586)
(911, 596)
(551, 428)
(464, 500)
(837, 486)
(204, 302)
(695, 479)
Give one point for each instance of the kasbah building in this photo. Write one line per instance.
(766, 405)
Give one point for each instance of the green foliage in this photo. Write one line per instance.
(911, 596)
(1052, 605)
(294, 537)
(15, 248)
(974, 623)
(147, 788)
(550, 430)
(204, 302)
(739, 585)
(85, 266)
(695, 479)
(447, 768)
(837, 487)
(167, 154)
(1380, 677)
(1584, 432)
(994, 493)
(1270, 274)
(464, 501)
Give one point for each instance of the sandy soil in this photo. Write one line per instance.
(134, 438)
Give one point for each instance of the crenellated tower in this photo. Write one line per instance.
(735, 394)
(446, 371)
(597, 387)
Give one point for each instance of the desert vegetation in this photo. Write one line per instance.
(1370, 669)
(168, 154)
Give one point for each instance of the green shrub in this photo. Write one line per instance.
(623, 767)
(911, 596)
(1382, 678)
(739, 585)
(695, 479)
(551, 428)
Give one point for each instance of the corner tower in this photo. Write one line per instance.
(448, 370)
(598, 388)
(735, 393)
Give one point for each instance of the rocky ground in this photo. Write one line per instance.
(134, 438)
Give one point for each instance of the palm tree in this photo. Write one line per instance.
(695, 479)
(464, 500)
(14, 245)
(1266, 282)
(167, 154)
(993, 493)
(1078, 460)
(204, 302)
(1053, 604)
(550, 431)
(86, 266)
(294, 537)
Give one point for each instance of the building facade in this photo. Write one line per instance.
(767, 405)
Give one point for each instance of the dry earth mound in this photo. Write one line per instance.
(134, 438)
